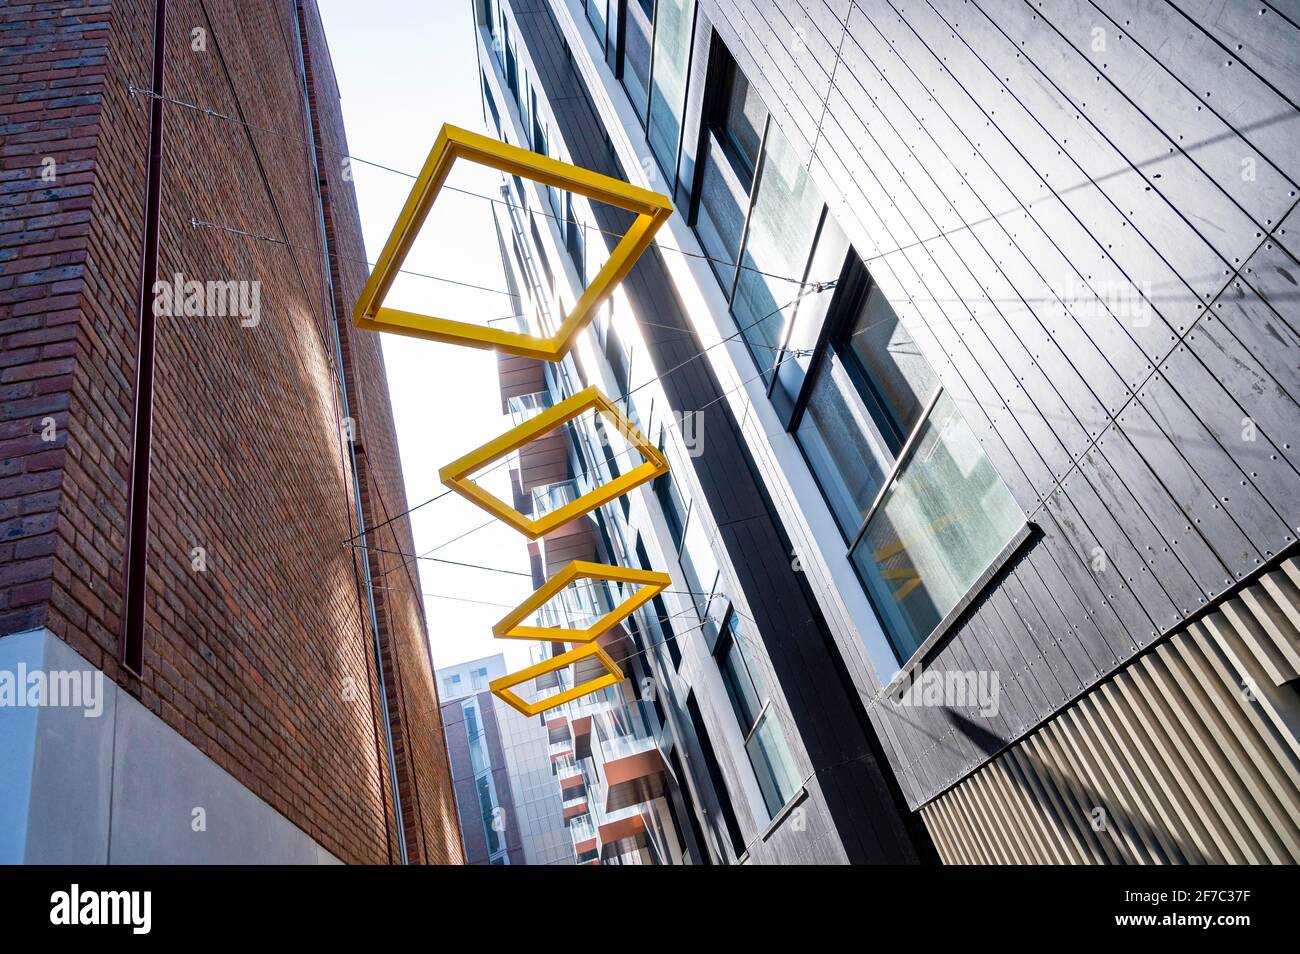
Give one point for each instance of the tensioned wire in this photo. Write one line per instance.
(502, 463)
(195, 222)
(813, 288)
(526, 207)
(320, 251)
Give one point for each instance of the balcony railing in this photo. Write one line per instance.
(523, 407)
(554, 496)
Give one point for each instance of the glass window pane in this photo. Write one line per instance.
(672, 53)
(636, 54)
(488, 811)
(773, 766)
(597, 14)
(740, 127)
(898, 376)
(845, 455)
(740, 689)
(782, 225)
(721, 217)
(940, 525)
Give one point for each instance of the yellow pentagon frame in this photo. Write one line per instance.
(456, 475)
(652, 584)
(501, 687)
(651, 209)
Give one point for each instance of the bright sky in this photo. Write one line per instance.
(404, 68)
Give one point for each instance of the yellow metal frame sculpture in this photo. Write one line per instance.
(456, 475)
(652, 584)
(501, 687)
(651, 209)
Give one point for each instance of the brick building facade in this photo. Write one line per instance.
(259, 642)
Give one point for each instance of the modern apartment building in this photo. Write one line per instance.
(184, 465)
(972, 346)
(508, 794)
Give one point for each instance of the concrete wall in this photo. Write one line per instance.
(122, 787)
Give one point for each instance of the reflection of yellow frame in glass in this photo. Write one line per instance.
(456, 475)
(501, 687)
(652, 584)
(651, 208)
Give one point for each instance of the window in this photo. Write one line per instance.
(674, 508)
(757, 213)
(764, 741)
(945, 518)
(512, 61)
(672, 54)
(451, 685)
(598, 17)
(575, 240)
(875, 416)
(734, 122)
(638, 28)
(778, 241)
(716, 780)
(657, 617)
(487, 798)
(491, 105)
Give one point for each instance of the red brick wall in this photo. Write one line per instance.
(250, 659)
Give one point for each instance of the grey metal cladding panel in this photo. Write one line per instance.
(827, 19)
(974, 355)
(1263, 125)
(1088, 117)
(1275, 275)
(1267, 41)
(1042, 128)
(997, 639)
(1053, 335)
(1157, 578)
(1038, 667)
(1080, 602)
(1193, 531)
(1091, 531)
(1036, 169)
(745, 40)
(1066, 658)
(1031, 355)
(796, 41)
(1246, 341)
(1152, 114)
(1233, 490)
(1056, 626)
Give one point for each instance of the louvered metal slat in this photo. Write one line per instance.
(1192, 752)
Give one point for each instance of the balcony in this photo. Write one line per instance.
(635, 778)
(575, 540)
(561, 750)
(622, 835)
(583, 832)
(574, 807)
(523, 407)
(557, 726)
(543, 462)
(518, 376)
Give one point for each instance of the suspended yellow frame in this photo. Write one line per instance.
(652, 583)
(651, 208)
(613, 675)
(456, 475)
